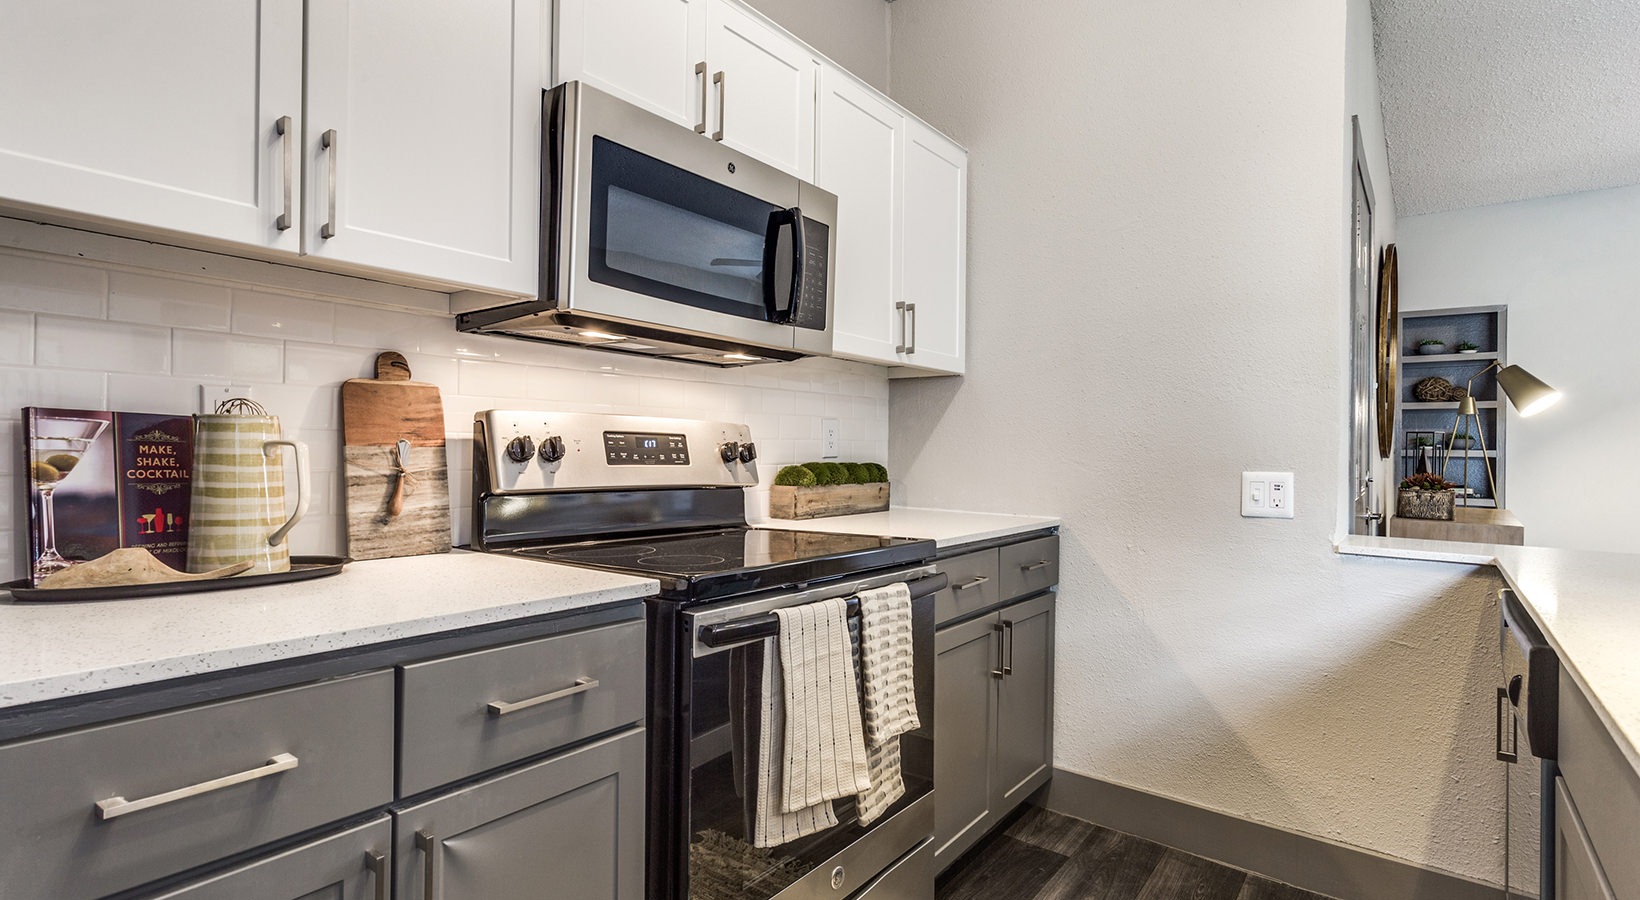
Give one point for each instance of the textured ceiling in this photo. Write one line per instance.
(1487, 101)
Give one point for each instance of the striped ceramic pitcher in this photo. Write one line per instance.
(238, 506)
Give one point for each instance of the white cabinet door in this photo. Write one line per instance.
(162, 114)
(856, 157)
(644, 51)
(423, 138)
(762, 90)
(933, 269)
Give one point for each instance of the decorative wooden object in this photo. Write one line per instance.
(1416, 504)
(789, 502)
(1475, 525)
(398, 504)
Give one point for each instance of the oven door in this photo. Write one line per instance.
(723, 715)
(657, 226)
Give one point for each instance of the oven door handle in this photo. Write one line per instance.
(767, 625)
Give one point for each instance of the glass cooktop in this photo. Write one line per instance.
(705, 565)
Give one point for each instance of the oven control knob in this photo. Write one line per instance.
(748, 452)
(520, 449)
(552, 449)
(729, 451)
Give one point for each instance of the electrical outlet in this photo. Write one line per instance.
(1267, 495)
(212, 394)
(829, 429)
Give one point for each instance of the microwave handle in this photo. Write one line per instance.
(782, 218)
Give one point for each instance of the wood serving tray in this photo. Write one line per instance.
(302, 568)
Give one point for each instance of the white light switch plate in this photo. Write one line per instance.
(1267, 495)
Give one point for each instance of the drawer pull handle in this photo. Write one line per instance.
(1002, 636)
(1032, 567)
(582, 685)
(976, 581)
(377, 864)
(432, 868)
(115, 807)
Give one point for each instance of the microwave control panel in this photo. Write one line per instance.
(637, 448)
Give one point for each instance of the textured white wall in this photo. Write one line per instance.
(1568, 268)
(95, 337)
(854, 33)
(1156, 303)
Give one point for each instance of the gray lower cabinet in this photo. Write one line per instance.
(1578, 873)
(352, 865)
(993, 689)
(1597, 807)
(570, 828)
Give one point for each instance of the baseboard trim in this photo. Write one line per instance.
(1305, 861)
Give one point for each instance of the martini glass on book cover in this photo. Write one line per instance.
(56, 447)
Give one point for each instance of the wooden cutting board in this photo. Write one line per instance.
(376, 414)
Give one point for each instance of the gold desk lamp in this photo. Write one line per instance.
(1525, 391)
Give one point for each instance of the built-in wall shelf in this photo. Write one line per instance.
(1424, 359)
(1452, 405)
(1484, 327)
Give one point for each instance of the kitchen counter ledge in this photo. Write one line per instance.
(945, 527)
(1586, 603)
(53, 651)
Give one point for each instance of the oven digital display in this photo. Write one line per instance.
(628, 448)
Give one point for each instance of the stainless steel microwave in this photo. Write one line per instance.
(661, 241)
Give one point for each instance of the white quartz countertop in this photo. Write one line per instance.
(946, 527)
(1587, 604)
(51, 650)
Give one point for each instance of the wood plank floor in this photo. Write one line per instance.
(1042, 855)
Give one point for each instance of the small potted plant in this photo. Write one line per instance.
(1425, 496)
(1461, 440)
(1431, 346)
(1467, 347)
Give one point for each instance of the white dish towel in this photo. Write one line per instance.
(825, 754)
(890, 692)
(770, 824)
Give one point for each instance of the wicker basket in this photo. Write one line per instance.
(1416, 504)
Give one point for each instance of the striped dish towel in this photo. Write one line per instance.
(825, 754)
(755, 677)
(890, 693)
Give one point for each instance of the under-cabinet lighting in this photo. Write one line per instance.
(743, 357)
(602, 336)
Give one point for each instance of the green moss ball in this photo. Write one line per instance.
(795, 476)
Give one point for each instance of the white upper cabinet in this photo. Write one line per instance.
(423, 138)
(156, 114)
(710, 65)
(856, 157)
(644, 51)
(762, 89)
(933, 249)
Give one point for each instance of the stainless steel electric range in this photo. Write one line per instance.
(665, 499)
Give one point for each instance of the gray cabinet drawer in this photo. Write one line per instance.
(353, 865)
(465, 714)
(1606, 789)
(1029, 566)
(973, 587)
(66, 836)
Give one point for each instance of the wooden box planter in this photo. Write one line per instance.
(789, 502)
(1415, 504)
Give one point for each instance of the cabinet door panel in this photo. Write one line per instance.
(643, 51)
(156, 114)
(1025, 712)
(857, 158)
(965, 709)
(765, 105)
(933, 271)
(1578, 875)
(571, 827)
(435, 112)
(345, 866)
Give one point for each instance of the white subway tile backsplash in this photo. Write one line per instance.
(202, 354)
(557, 386)
(154, 300)
(380, 329)
(299, 407)
(478, 378)
(11, 444)
(284, 317)
(324, 364)
(110, 346)
(21, 387)
(153, 394)
(40, 285)
(16, 338)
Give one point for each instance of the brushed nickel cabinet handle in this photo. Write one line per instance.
(722, 82)
(377, 864)
(431, 864)
(286, 141)
(114, 807)
(1032, 567)
(1008, 638)
(700, 69)
(329, 142)
(999, 671)
(911, 314)
(905, 328)
(581, 686)
(976, 581)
